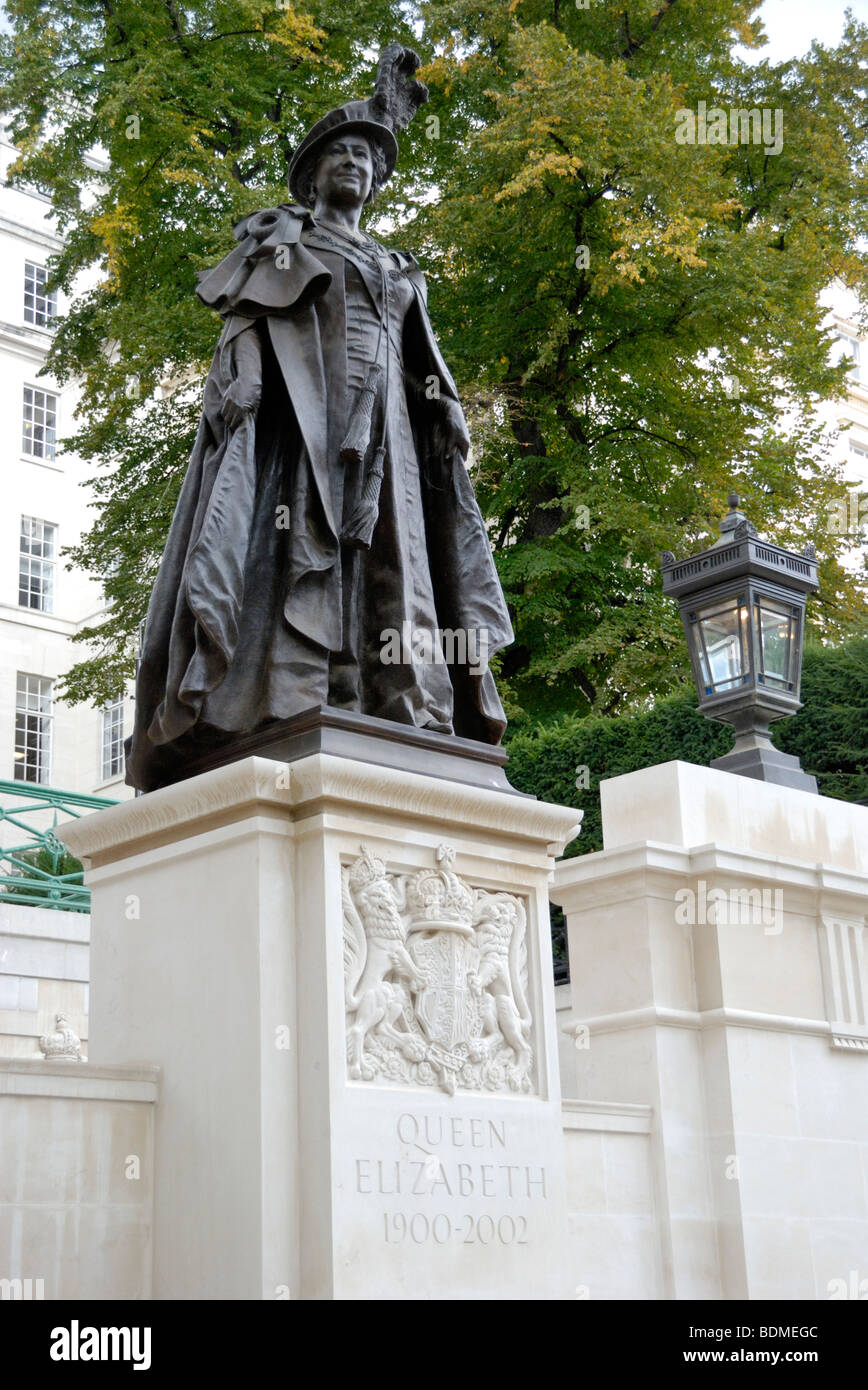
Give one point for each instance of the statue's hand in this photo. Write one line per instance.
(241, 399)
(459, 449)
(457, 438)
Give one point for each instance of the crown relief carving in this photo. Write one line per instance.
(438, 900)
(436, 979)
(64, 1044)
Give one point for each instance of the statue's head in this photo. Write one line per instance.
(350, 168)
(397, 97)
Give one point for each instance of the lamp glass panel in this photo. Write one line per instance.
(721, 646)
(774, 642)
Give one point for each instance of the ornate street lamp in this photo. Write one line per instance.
(742, 603)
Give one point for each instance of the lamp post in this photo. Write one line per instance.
(742, 602)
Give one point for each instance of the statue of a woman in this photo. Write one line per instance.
(326, 549)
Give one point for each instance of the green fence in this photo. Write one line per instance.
(37, 870)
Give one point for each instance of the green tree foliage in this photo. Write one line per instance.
(599, 287)
(38, 870)
(829, 735)
(153, 126)
(626, 311)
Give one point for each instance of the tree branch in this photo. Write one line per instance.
(632, 45)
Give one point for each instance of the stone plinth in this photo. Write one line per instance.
(344, 972)
(719, 977)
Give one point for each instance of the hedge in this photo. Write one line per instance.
(829, 735)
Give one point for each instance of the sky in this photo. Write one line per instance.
(792, 25)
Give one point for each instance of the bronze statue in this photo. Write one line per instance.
(326, 505)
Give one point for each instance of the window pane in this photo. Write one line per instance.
(36, 564)
(39, 423)
(720, 643)
(847, 347)
(40, 306)
(773, 641)
(33, 719)
(113, 739)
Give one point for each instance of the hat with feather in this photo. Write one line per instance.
(396, 99)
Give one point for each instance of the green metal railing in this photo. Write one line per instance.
(39, 871)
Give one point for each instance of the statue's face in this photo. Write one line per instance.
(345, 171)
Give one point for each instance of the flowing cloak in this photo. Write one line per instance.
(192, 630)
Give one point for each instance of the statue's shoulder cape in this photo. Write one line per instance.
(271, 271)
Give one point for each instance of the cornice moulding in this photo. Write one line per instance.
(79, 1080)
(606, 1116)
(652, 1017)
(23, 232)
(299, 790)
(597, 874)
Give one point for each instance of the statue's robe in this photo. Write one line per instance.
(254, 578)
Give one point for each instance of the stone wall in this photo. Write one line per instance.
(719, 976)
(712, 1045)
(44, 971)
(76, 1180)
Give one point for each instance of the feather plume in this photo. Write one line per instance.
(397, 96)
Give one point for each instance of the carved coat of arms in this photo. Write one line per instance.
(436, 979)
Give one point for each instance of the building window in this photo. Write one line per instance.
(113, 739)
(36, 564)
(33, 716)
(40, 423)
(849, 347)
(40, 305)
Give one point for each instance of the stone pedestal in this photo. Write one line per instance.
(720, 977)
(344, 973)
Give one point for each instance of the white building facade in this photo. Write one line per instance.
(56, 761)
(45, 509)
(847, 419)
